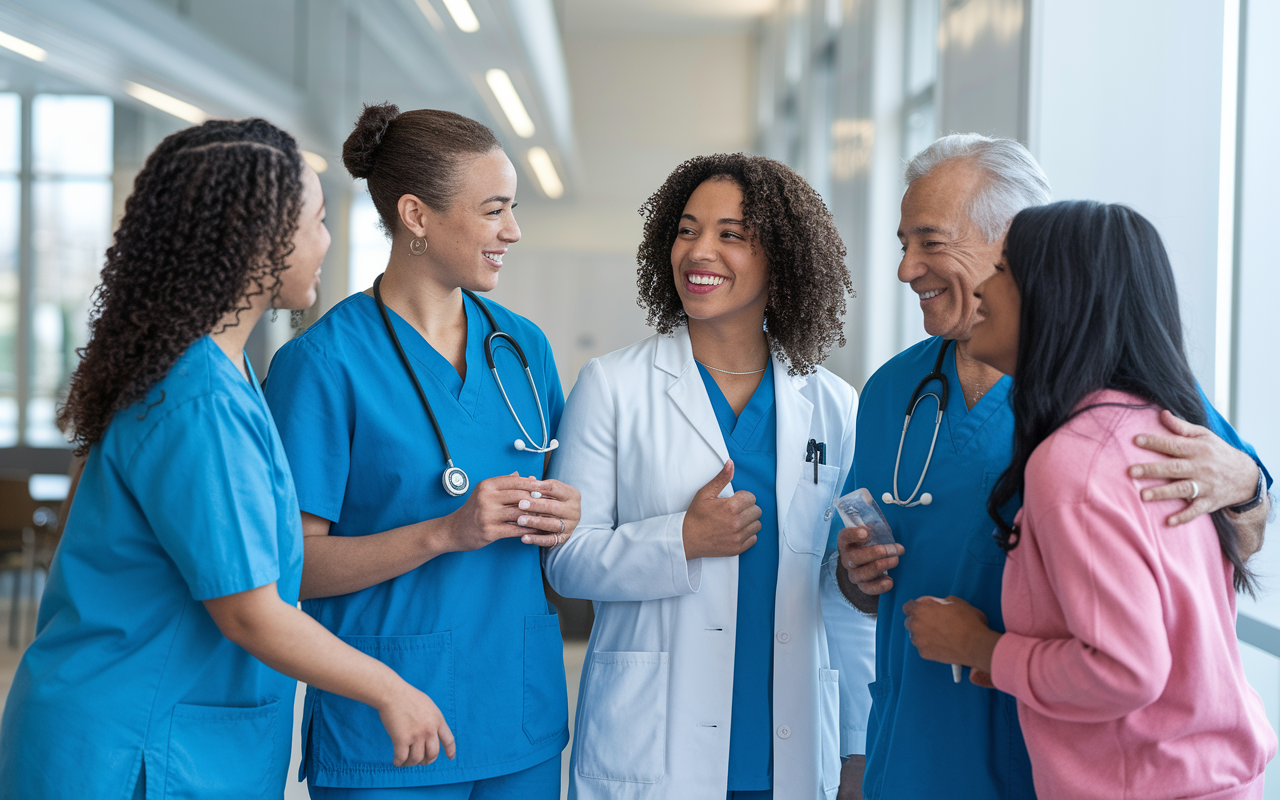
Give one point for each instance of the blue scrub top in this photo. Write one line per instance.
(752, 441)
(928, 736)
(471, 629)
(187, 497)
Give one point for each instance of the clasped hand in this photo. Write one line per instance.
(952, 632)
(867, 565)
(720, 526)
(542, 512)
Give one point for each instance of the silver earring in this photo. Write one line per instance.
(418, 246)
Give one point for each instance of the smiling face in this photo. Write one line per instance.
(994, 339)
(944, 255)
(720, 271)
(466, 244)
(301, 281)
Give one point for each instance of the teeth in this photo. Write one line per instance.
(494, 257)
(927, 295)
(706, 280)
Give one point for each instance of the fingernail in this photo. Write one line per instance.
(534, 495)
(526, 539)
(862, 535)
(524, 505)
(1146, 495)
(1140, 440)
(522, 521)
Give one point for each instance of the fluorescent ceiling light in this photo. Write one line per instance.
(545, 172)
(462, 14)
(23, 48)
(167, 104)
(502, 88)
(315, 161)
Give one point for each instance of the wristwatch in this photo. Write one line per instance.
(1256, 500)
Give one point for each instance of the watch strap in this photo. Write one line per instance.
(1255, 501)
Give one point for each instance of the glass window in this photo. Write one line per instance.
(369, 246)
(922, 45)
(10, 162)
(71, 229)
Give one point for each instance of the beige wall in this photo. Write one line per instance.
(642, 104)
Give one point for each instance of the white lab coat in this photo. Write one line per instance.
(638, 439)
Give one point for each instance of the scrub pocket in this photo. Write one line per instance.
(347, 735)
(218, 752)
(829, 727)
(546, 698)
(623, 725)
(807, 526)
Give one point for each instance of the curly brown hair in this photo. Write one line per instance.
(786, 217)
(209, 224)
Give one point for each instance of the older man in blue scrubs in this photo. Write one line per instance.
(928, 736)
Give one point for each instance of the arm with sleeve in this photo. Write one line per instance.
(1116, 660)
(605, 560)
(202, 481)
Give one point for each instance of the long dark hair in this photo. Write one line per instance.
(1099, 311)
(210, 222)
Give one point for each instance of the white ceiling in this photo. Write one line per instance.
(663, 17)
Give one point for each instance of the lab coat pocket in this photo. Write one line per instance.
(623, 733)
(808, 522)
(224, 752)
(347, 735)
(829, 727)
(546, 699)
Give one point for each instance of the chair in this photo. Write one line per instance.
(28, 536)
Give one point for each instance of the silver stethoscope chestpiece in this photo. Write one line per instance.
(456, 481)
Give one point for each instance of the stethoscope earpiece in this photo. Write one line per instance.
(926, 499)
(519, 444)
(888, 498)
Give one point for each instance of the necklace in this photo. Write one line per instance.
(727, 372)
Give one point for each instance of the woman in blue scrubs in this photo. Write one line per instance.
(171, 600)
(445, 588)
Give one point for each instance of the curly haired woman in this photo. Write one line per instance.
(170, 611)
(708, 457)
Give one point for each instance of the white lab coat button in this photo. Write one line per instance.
(783, 732)
(784, 637)
(827, 516)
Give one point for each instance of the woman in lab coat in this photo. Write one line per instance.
(170, 612)
(708, 457)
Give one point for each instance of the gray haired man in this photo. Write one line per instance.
(927, 735)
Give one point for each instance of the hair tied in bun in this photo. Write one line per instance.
(361, 147)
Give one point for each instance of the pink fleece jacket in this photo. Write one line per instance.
(1121, 644)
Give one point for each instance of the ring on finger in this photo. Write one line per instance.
(562, 526)
(1195, 490)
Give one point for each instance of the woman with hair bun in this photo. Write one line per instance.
(422, 537)
(171, 602)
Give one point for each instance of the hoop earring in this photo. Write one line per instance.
(418, 246)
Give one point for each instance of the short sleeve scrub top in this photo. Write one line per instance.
(472, 630)
(187, 497)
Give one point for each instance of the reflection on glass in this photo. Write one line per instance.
(8, 310)
(10, 162)
(71, 134)
(71, 234)
(922, 45)
(921, 129)
(10, 152)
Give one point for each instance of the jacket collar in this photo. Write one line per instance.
(674, 355)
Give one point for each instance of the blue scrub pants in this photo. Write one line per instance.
(541, 782)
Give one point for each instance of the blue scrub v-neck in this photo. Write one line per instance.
(437, 367)
(752, 441)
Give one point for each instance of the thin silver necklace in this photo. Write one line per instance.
(727, 372)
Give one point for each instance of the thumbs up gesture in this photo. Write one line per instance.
(720, 526)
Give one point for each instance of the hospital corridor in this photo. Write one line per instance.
(645, 399)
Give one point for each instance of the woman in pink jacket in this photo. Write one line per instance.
(1121, 645)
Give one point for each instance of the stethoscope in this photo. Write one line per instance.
(916, 397)
(455, 479)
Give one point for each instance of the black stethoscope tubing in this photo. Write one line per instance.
(455, 480)
(916, 397)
